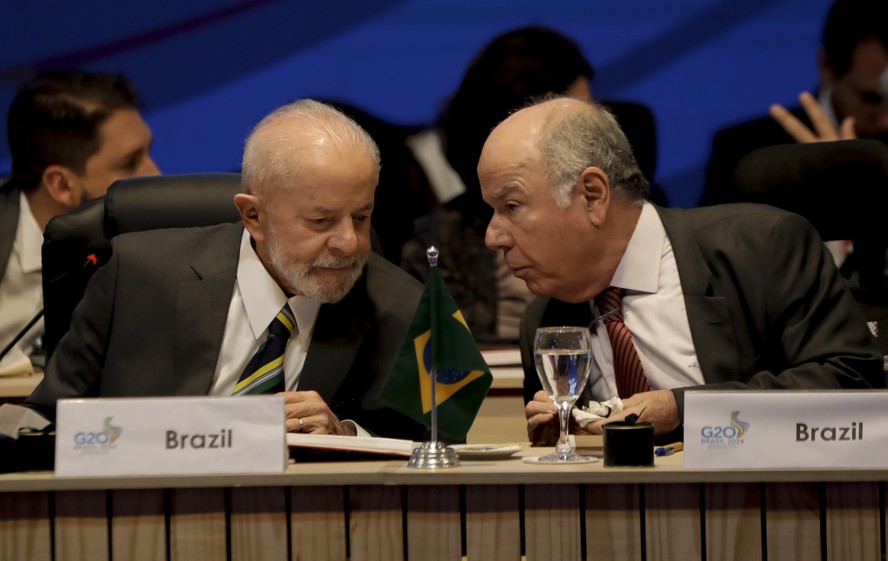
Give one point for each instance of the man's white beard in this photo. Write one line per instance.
(326, 288)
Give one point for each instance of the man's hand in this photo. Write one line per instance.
(823, 129)
(542, 420)
(657, 407)
(543, 427)
(314, 414)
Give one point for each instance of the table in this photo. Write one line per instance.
(14, 389)
(489, 510)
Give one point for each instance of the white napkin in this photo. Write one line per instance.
(596, 410)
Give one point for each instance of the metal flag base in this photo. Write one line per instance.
(433, 455)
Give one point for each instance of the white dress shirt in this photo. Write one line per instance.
(653, 310)
(21, 289)
(257, 299)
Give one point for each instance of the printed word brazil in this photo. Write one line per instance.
(804, 433)
(198, 441)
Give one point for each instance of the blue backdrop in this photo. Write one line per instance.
(208, 70)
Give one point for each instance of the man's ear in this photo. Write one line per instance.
(63, 185)
(594, 188)
(251, 214)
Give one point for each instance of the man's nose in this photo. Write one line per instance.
(344, 238)
(148, 167)
(496, 237)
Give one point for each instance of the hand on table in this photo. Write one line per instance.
(542, 421)
(306, 412)
(657, 407)
(823, 128)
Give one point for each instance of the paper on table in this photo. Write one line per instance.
(502, 357)
(14, 418)
(376, 445)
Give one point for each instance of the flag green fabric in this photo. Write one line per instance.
(439, 338)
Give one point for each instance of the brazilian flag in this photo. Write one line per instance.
(439, 339)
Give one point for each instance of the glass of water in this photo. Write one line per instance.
(563, 358)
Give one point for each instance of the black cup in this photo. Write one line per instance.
(628, 444)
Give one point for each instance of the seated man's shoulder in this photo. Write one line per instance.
(384, 273)
(733, 215)
(744, 223)
(165, 238)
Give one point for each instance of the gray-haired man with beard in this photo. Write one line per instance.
(183, 312)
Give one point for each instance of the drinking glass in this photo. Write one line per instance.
(563, 358)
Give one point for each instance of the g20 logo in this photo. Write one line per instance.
(733, 431)
(107, 436)
(92, 437)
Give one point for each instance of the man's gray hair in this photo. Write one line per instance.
(269, 156)
(589, 136)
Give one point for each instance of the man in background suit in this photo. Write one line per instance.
(71, 135)
(736, 296)
(182, 311)
(852, 100)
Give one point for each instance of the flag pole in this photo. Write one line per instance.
(433, 454)
(432, 256)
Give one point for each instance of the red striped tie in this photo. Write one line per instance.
(628, 370)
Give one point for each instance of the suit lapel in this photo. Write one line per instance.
(202, 310)
(708, 315)
(337, 338)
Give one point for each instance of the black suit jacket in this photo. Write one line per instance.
(765, 303)
(730, 144)
(152, 319)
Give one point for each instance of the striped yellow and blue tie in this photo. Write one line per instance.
(264, 373)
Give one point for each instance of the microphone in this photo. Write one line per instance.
(91, 261)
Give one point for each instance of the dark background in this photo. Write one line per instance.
(208, 70)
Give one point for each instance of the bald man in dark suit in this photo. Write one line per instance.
(732, 296)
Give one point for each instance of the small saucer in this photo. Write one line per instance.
(536, 460)
(484, 451)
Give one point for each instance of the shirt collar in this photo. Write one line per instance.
(639, 269)
(262, 296)
(824, 98)
(28, 238)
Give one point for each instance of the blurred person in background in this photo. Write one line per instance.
(71, 134)
(850, 102)
(513, 68)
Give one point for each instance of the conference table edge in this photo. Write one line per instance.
(507, 472)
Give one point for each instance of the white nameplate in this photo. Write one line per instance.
(170, 436)
(786, 429)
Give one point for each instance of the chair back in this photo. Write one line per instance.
(841, 187)
(72, 240)
(171, 201)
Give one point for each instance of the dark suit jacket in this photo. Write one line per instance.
(766, 305)
(9, 213)
(730, 144)
(152, 319)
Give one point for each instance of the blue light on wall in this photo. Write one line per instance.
(208, 70)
